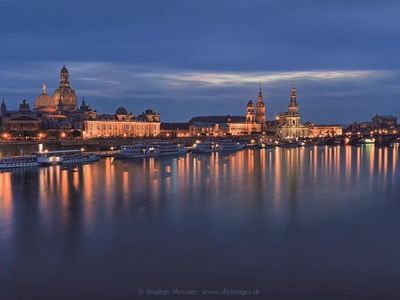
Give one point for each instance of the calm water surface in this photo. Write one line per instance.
(313, 223)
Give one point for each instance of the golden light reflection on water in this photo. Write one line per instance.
(395, 158)
(6, 201)
(88, 187)
(254, 177)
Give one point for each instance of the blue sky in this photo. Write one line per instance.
(185, 58)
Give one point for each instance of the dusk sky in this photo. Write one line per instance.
(188, 58)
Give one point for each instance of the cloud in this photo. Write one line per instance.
(179, 94)
(221, 78)
(106, 79)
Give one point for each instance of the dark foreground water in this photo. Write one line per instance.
(314, 223)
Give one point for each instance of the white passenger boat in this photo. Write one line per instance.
(79, 158)
(290, 144)
(167, 148)
(205, 147)
(18, 162)
(150, 150)
(230, 146)
(132, 151)
(64, 157)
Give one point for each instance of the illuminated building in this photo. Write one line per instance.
(45, 103)
(384, 122)
(60, 114)
(64, 96)
(325, 130)
(213, 129)
(252, 122)
(260, 109)
(149, 115)
(362, 127)
(289, 125)
(174, 130)
(380, 124)
(250, 114)
(121, 124)
(20, 121)
(222, 126)
(236, 129)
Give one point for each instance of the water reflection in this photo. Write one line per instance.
(58, 216)
(250, 177)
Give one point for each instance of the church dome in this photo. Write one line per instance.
(44, 102)
(121, 111)
(64, 95)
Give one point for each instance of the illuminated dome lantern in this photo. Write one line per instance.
(44, 103)
(65, 96)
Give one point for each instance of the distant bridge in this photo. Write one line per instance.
(380, 139)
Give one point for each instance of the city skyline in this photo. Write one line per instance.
(272, 111)
(117, 53)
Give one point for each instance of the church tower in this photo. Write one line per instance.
(293, 108)
(65, 96)
(64, 77)
(3, 108)
(260, 108)
(293, 115)
(250, 116)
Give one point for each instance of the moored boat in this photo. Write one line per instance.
(18, 162)
(205, 147)
(167, 148)
(132, 151)
(230, 146)
(290, 144)
(79, 158)
(64, 157)
(150, 150)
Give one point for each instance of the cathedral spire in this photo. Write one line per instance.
(260, 90)
(293, 92)
(293, 96)
(3, 107)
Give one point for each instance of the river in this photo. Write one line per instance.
(303, 223)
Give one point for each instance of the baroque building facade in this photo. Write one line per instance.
(21, 121)
(289, 123)
(121, 124)
(323, 131)
(53, 115)
(252, 122)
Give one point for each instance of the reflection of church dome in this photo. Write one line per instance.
(44, 102)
